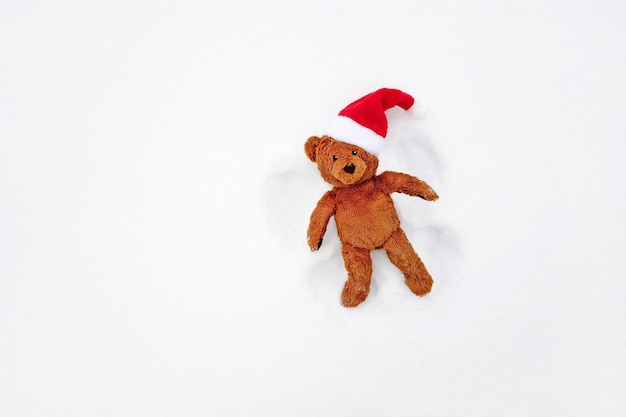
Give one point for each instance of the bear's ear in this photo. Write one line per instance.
(310, 146)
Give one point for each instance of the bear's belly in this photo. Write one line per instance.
(366, 221)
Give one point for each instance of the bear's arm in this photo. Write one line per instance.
(322, 213)
(397, 182)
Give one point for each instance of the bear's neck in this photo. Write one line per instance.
(363, 185)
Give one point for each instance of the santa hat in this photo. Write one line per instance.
(364, 123)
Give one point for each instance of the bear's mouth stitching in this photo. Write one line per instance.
(349, 168)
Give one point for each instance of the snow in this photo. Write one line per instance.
(155, 199)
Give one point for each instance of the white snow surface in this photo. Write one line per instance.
(155, 196)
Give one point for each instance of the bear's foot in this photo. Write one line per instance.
(353, 294)
(419, 284)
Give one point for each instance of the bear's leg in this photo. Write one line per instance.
(358, 263)
(402, 255)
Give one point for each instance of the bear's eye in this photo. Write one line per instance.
(354, 152)
(334, 157)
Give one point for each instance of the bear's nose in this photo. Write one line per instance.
(349, 168)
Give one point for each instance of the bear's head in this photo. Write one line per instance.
(340, 163)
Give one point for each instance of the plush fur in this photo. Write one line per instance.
(365, 215)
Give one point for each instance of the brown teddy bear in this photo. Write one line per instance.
(347, 158)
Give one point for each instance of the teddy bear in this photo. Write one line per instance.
(360, 201)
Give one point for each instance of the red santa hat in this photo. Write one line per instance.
(364, 123)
